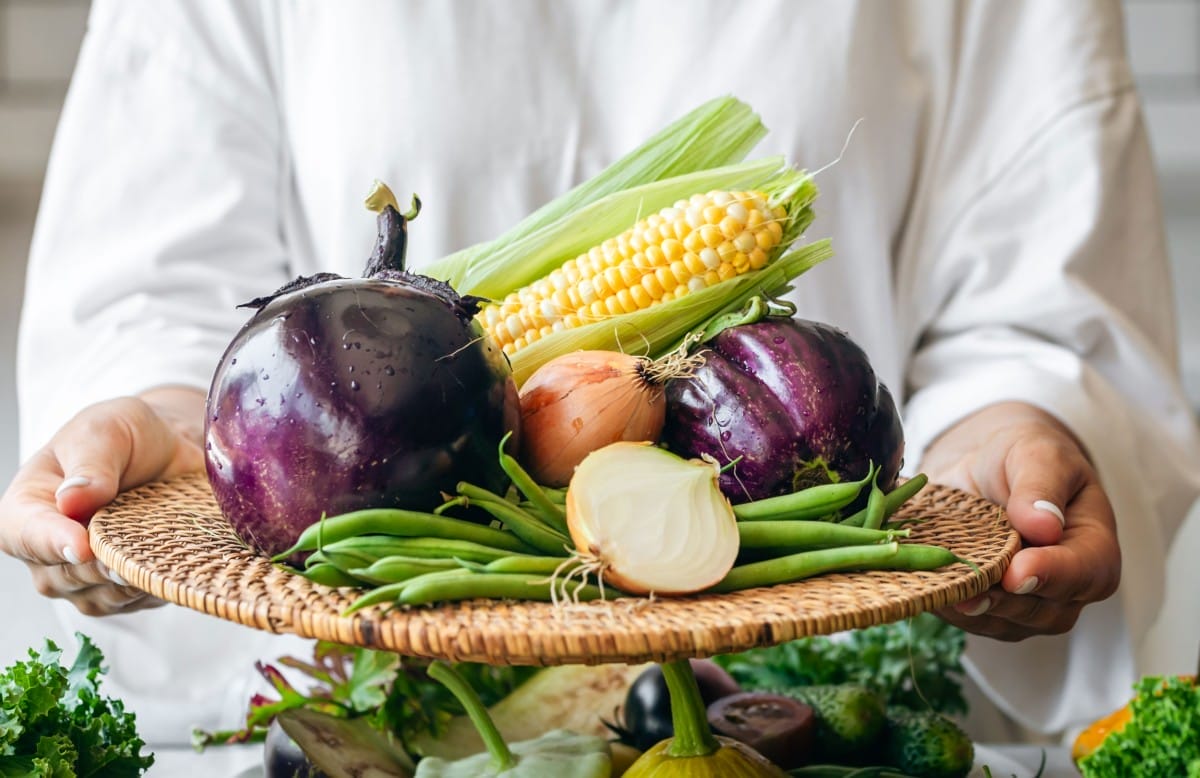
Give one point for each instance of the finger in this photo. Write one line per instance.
(93, 451)
(110, 599)
(65, 579)
(1037, 614)
(31, 529)
(1044, 475)
(1083, 573)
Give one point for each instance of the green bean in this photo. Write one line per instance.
(533, 532)
(795, 567)
(382, 594)
(393, 569)
(876, 505)
(892, 501)
(516, 586)
(533, 565)
(327, 574)
(554, 495)
(403, 523)
(548, 511)
(422, 548)
(798, 535)
(811, 503)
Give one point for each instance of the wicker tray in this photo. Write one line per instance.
(169, 539)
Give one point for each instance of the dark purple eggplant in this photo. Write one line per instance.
(792, 403)
(343, 394)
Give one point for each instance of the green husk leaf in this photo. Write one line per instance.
(720, 132)
(509, 266)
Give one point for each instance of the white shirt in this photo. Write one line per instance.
(995, 221)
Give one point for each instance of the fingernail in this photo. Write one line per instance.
(1049, 507)
(73, 482)
(118, 580)
(1027, 586)
(69, 554)
(979, 608)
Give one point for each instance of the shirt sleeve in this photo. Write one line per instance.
(160, 209)
(1047, 282)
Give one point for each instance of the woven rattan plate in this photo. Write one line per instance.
(169, 539)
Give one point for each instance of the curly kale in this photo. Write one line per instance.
(1161, 738)
(54, 722)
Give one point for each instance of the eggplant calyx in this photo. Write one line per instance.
(464, 306)
(756, 309)
(302, 282)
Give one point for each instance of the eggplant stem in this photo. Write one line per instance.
(502, 757)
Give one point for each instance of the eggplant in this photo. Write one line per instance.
(344, 394)
(647, 718)
(791, 403)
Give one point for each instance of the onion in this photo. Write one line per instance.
(648, 521)
(579, 402)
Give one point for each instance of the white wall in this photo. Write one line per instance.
(38, 43)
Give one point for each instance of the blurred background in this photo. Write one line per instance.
(38, 44)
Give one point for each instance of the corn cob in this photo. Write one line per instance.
(688, 246)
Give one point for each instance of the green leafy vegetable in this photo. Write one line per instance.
(1161, 738)
(55, 723)
(914, 663)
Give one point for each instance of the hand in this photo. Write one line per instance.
(106, 449)
(1025, 460)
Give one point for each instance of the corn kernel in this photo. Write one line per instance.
(562, 301)
(722, 198)
(547, 330)
(571, 321)
(598, 310)
(711, 277)
(754, 219)
(655, 257)
(653, 220)
(611, 255)
(601, 287)
(710, 258)
(514, 326)
(519, 344)
(740, 262)
(549, 310)
(612, 275)
(613, 305)
(652, 286)
(744, 241)
(625, 300)
(764, 240)
(711, 235)
(666, 278)
(776, 230)
(641, 298)
(636, 243)
(758, 259)
(731, 227)
(713, 214)
(587, 293)
(693, 263)
(726, 251)
(630, 275)
(680, 271)
(509, 349)
(573, 298)
(680, 229)
(696, 284)
(694, 241)
(532, 336)
(726, 271)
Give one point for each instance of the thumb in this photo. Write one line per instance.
(1042, 483)
(107, 449)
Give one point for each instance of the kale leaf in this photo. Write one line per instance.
(55, 722)
(915, 663)
(1161, 738)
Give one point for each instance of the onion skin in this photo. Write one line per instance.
(349, 394)
(582, 401)
(795, 400)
